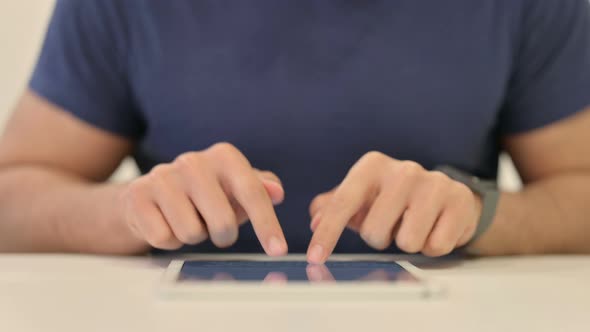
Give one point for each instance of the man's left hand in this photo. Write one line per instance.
(385, 199)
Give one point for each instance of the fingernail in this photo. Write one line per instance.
(316, 254)
(314, 222)
(227, 237)
(276, 201)
(276, 247)
(278, 183)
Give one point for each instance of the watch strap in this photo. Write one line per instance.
(486, 189)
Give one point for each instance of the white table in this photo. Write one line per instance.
(92, 293)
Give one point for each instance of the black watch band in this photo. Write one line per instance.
(486, 189)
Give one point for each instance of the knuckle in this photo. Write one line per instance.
(192, 235)
(461, 195)
(374, 157)
(407, 244)
(159, 171)
(439, 178)
(240, 181)
(191, 171)
(390, 177)
(438, 247)
(159, 175)
(439, 183)
(406, 240)
(374, 238)
(224, 148)
(187, 160)
(341, 199)
(250, 186)
(410, 169)
(374, 160)
(461, 190)
(161, 238)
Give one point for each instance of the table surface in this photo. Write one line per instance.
(96, 293)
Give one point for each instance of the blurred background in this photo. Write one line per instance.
(22, 27)
(22, 24)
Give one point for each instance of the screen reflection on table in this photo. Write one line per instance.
(282, 272)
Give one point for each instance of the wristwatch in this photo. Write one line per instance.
(487, 190)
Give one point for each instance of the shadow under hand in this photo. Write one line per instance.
(438, 263)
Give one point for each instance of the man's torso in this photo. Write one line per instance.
(305, 88)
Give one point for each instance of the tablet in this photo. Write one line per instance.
(218, 278)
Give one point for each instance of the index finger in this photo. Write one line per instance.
(248, 190)
(345, 203)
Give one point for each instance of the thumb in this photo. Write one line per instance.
(273, 186)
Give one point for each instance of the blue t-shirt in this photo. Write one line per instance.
(304, 88)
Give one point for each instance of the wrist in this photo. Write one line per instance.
(506, 235)
(111, 234)
(131, 240)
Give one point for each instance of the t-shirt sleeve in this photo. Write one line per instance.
(551, 75)
(83, 66)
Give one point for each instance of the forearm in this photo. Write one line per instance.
(43, 210)
(548, 216)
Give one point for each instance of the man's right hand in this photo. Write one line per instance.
(205, 194)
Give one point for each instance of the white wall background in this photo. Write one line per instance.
(21, 30)
(22, 26)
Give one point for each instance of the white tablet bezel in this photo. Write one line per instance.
(235, 290)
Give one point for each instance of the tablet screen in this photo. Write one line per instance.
(242, 270)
